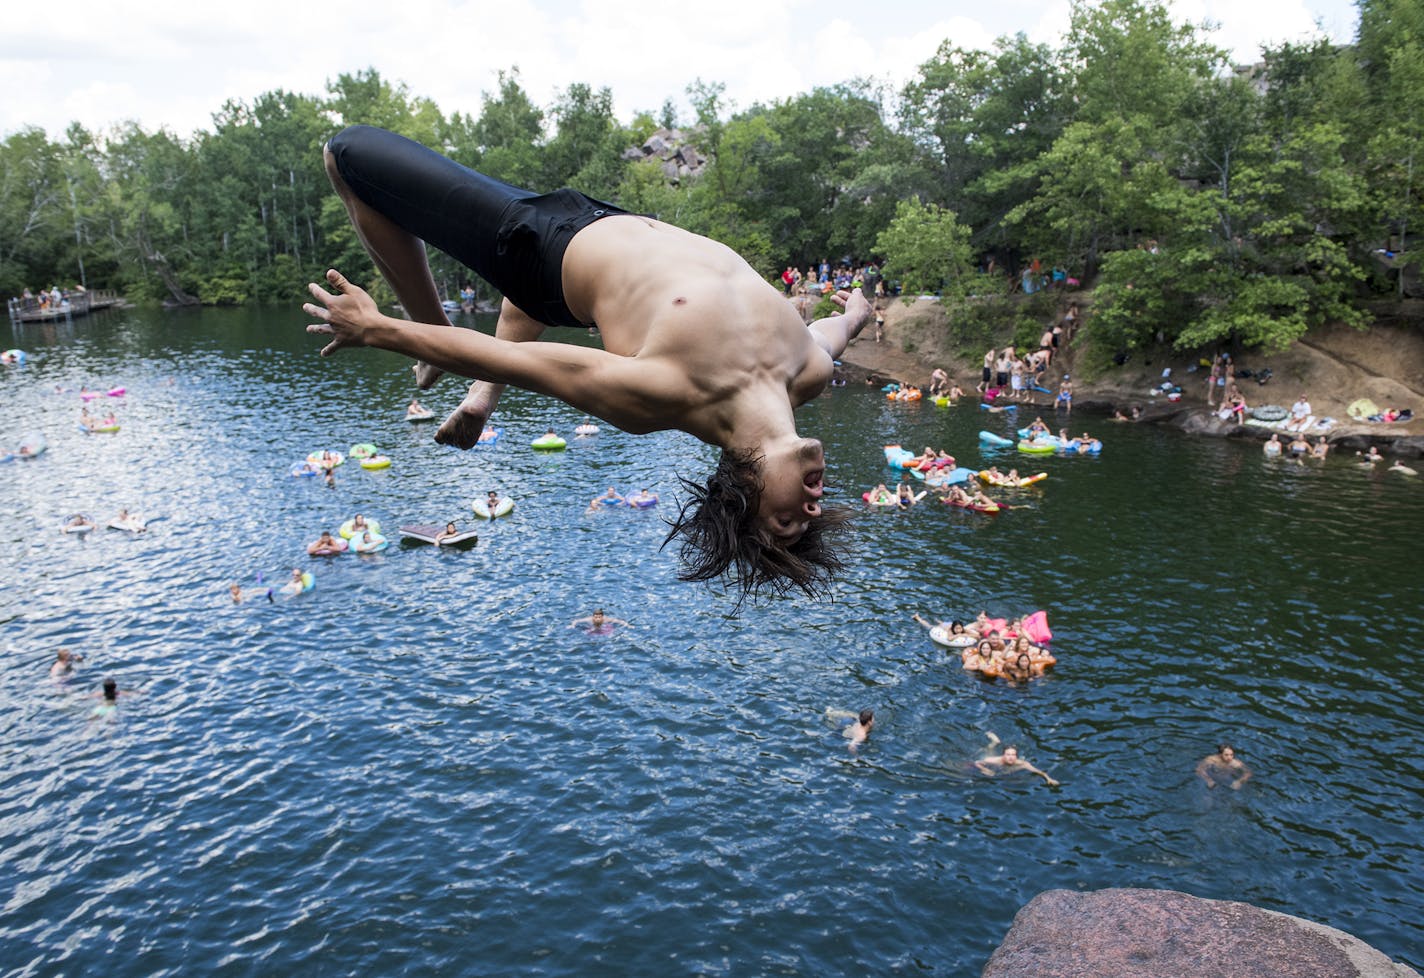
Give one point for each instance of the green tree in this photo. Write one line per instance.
(927, 250)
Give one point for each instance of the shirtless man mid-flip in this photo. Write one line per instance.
(694, 339)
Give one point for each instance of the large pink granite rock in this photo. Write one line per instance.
(1132, 933)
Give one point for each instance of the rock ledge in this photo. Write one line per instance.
(1134, 933)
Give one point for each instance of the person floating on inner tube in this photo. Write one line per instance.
(606, 501)
(694, 340)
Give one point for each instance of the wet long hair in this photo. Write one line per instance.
(720, 536)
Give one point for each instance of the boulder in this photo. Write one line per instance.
(1134, 933)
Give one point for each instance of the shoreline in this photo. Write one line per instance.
(1386, 364)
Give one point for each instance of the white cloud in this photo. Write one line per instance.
(174, 62)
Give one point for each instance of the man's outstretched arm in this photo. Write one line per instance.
(834, 332)
(617, 389)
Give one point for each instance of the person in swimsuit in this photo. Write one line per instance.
(606, 501)
(859, 727)
(1008, 762)
(446, 533)
(1223, 766)
(108, 700)
(63, 666)
(643, 499)
(598, 623)
(325, 545)
(694, 340)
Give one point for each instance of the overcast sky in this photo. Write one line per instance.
(174, 62)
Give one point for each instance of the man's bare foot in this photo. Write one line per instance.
(462, 428)
(425, 374)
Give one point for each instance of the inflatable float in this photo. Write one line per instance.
(16, 357)
(548, 443)
(376, 462)
(584, 430)
(1094, 447)
(991, 508)
(362, 450)
(501, 508)
(429, 532)
(423, 414)
(898, 458)
(340, 545)
(315, 458)
(952, 477)
(488, 436)
(1040, 446)
(31, 446)
(348, 529)
(99, 429)
(1004, 482)
(303, 470)
(942, 636)
(375, 544)
(887, 501)
(111, 392)
(997, 441)
(134, 524)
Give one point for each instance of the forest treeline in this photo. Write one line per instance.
(1201, 202)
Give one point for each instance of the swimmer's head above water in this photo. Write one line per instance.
(759, 523)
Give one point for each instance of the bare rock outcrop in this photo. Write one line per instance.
(1135, 933)
(673, 151)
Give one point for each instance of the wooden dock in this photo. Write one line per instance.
(75, 304)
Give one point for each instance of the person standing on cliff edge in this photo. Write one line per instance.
(694, 339)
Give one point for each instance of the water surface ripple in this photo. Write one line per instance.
(420, 768)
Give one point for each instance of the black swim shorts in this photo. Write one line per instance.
(513, 239)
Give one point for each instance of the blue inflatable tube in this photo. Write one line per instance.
(998, 441)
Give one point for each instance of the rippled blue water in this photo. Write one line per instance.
(420, 768)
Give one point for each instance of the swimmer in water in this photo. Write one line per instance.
(858, 729)
(109, 700)
(446, 533)
(608, 500)
(296, 585)
(239, 595)
(598, 623)
(643, 498)
(325, 546)
(1223, 766)
(1008, 762)
(63, 667)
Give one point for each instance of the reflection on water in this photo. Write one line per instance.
(420, 758)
